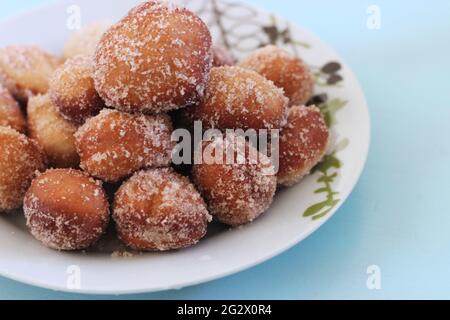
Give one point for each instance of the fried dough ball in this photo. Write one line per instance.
(222, 57)
(25, 70)
(72, 90)
(286, 71)
(20, 157)
(85, 40)
(238, 98)
(115, 144)
(236, 193)
(156, 59)
(10, 112)
(66, 209)
(159, 210)
(54, 133)
(303, 144)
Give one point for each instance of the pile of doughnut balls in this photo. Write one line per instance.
(88, 136)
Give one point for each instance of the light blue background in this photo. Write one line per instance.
(398, 217)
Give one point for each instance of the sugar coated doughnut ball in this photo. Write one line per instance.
(115, 144)
(155, 59)
(84, 41)
(286, 71)
(54, 133)
(303, 144)
(10, 112)
(238, 98)
(66, 209)
(159, 210)
(236, 193)
(222, 57)
(25, 70)
(72, 90)
(20, 157)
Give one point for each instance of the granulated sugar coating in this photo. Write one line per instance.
(53, 133)
(66, 209)
(236, 193)
(303, 144)
(286, 71)
(238, 98)
(84, 41)
(156, 59)
(159, 210)
(10, 113)
(115, 144)
(20, 157)
(25, 70)
(107, 111)
(72, 90)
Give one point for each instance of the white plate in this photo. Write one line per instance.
(223, 252)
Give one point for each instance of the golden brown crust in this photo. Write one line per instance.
(72, 90)
(303, 144)
(25, 70)
(10, 112)
(66, 209)
(286, 71)
(115, 144)
(236, 194)
(159, 210)
(156, 59)
(54, 133)
(20, 157)
(238, 98)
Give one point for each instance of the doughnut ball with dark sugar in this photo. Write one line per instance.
(20, 158)
(239, 192)
(285, 70)
(114, 144)
(159, 210)
(156, 59)
(66, 209)
(238, 98)
(303, 144)
(72, 90)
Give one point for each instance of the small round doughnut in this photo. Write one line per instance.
(222, 57)
(20, 158)
(54, 133)
(286, 71)
(65, 209)
(25, 70)
(159, 210)
(72, 90)
(238, 98)
(236, 193)
(115, 144)
(10, 112)
(303, 144)
(154, 60)
(84, 41)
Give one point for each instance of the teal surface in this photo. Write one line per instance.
(398, 217)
